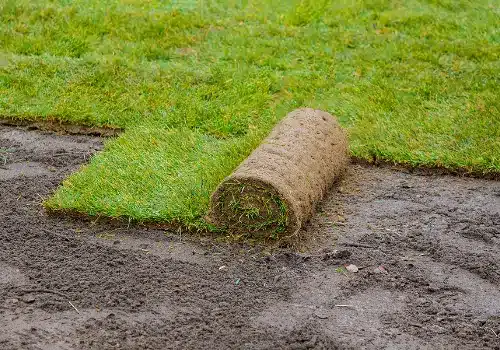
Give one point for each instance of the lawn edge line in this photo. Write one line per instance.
(53, 125)
(426, 169)
(174, 225)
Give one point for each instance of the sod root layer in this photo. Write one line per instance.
(275, 190)
(437, 239)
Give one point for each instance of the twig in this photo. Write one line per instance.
(357, 245)
(69, 152)
(26, 291)
(294, 234)
(312, 307)
(495, 333)
(306, 306)
(322, 255)
(70, 303)
(415, 325)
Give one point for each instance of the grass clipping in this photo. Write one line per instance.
(275, 190)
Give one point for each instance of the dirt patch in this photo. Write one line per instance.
(437, 239)
(275, 190)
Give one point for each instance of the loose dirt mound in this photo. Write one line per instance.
(437, 238)
(275, 190)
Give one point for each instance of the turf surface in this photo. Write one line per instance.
(197, 84)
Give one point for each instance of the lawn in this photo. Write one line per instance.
(196, 85)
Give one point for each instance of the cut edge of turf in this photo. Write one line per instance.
(53, 124)
(427, 168)
(199, 226)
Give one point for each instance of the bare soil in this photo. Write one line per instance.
(427, 249)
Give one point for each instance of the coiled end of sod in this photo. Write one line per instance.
(252, 207)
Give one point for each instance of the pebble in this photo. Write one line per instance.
(379, 269)
(28, 299)
(352, 268)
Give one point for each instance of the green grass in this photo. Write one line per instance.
(197, 84)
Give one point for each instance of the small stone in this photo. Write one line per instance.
(379, 269)
(433, 288)
(28, 299)
(352, 268)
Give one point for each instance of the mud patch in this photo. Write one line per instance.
(25, 169)
(73, 284)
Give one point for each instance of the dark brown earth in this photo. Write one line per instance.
(437, 239)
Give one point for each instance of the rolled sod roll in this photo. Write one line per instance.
(274, 191)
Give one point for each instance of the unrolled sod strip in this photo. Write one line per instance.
(275, 190)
